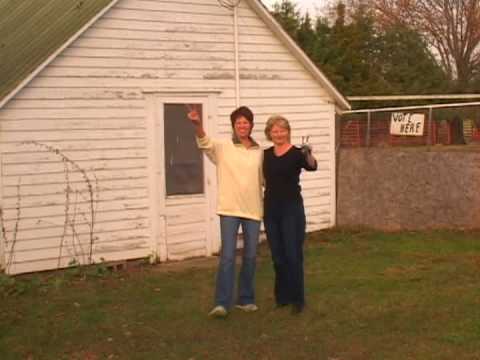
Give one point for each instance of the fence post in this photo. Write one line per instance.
(367, 135)
(429, 139)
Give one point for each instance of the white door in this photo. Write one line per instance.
(185, 180)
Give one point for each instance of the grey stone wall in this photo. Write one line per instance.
(412, 188)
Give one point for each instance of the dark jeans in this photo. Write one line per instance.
(285, 228)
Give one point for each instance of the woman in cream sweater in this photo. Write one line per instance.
(239, 176)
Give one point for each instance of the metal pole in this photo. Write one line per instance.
(237, 60)
(367, 135)
(429, 138)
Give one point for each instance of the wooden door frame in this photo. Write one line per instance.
(3, 262)
(154, 102)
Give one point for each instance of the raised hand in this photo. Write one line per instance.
(193, 114)
(307, 153)
(306, 147)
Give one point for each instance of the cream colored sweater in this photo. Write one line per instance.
(239, 177)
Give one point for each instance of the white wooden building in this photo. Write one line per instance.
(97, 159)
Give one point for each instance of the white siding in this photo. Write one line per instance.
(88, 103)
(186, 228)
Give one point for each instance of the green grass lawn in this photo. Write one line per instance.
(370, 295)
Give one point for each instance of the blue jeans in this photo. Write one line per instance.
(285, 228)
(225, 285)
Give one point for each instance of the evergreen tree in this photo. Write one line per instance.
(407, 65)
(361, 58)
(353, 49)
(287, 15)
(306, 38)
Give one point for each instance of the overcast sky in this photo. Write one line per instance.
(310, 5)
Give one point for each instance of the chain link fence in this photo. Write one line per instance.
(445, 124)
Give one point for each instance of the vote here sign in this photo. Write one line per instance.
(407, 124)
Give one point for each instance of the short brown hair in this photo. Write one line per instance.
(276, 120)
(241, 111)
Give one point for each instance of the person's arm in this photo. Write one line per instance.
(197, 122)
(204, 142)
(261, 174)
(310, 163)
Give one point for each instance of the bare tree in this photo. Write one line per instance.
(451, 27)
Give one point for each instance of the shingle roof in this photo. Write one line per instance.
(30, 31)
(42, 27)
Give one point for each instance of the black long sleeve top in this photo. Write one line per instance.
(282, 175)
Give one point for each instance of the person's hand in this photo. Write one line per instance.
(306, 149)
(193, 115)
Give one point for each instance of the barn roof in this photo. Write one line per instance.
(48, 27)
(32, 31)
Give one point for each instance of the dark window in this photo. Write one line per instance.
(183, 160)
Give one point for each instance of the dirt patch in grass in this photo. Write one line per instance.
(188, 264)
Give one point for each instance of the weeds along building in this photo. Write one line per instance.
(98, 160)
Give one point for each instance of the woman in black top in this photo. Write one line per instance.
(284, 215)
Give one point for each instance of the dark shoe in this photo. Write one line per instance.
(281, 305)
(297, 309)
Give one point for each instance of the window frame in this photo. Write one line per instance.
(165, 167)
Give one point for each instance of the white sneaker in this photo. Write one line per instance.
(247, 307)
(218, 311)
